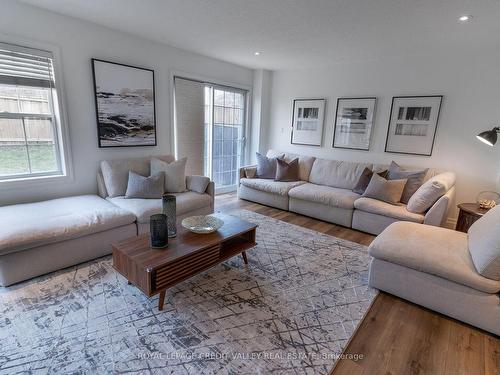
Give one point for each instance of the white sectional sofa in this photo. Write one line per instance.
(325, 192)
(37, 238)
(451, 272)
(113, 175)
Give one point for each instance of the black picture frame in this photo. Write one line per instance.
(374, 98)
(322, 121)
(96, 101)
(435, 128)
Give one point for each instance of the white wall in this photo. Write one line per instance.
(261, 100)
(78, 42)
(471, 89)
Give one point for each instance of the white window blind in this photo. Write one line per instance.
(190, 133)
(29, 132)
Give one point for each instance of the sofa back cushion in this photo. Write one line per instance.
(305, 162)
(336, 173)
(484, 244)
(115, 172)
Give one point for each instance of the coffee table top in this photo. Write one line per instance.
(138, 249)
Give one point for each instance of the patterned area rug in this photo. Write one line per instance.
(292, 310)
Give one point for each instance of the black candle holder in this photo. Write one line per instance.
(159, 231)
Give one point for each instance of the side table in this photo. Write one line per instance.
(469, 213)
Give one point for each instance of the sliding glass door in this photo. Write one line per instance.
(226, 123)
(210, 130)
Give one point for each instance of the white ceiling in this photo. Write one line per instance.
(298, 33)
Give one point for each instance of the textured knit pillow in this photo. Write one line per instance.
(151, 187)
(175, 174)
(415, 179)
(266, 167)
(287, 171)
(364, 180)
(389, 191)
(430, 192)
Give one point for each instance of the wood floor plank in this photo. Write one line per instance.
(396, 337)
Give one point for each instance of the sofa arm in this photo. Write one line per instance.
(198, 184)
(437, 214)
(247, 167)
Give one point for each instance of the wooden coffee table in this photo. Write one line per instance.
(153, 271)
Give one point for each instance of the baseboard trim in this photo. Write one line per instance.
(451, 223)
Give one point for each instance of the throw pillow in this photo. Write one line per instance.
(430, 192)
(250, 172)
(415, 179)
(389, 191)
(175, 174)
(266, 167)
(197, 184)
(151, 187)
(484, 244)
(364, 180)
(287, 171)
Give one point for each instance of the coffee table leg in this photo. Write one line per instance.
(161, 301)
(244, 255)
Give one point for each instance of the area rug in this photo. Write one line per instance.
(292, 310)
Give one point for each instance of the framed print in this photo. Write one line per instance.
(125, 104)
(307, 121)
(354, 123)
(412, 124)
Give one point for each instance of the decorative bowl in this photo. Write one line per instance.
(202, 224)
(488, 199)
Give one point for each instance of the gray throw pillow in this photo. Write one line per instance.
(287, 171)
(175, 174)
(145, 187)
(364, 180)
(266, 167)
(415, 179)
(385, 190)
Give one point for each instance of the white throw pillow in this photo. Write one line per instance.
(427, 194)
(484, 244)
(175, 174)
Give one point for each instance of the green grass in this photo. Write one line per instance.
(14, 159)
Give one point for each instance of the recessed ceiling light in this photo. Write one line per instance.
(465, 18)
(256, 53)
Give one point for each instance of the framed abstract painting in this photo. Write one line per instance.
(307, 121)
(125, 104)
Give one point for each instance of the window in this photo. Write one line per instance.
(29, 134)
(210, 129)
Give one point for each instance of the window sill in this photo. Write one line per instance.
(24, 182)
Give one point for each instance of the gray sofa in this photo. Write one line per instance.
(37, 238)
(113, 176)
(454, 273)
(325, 192)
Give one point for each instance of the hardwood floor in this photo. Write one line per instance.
(397, 337)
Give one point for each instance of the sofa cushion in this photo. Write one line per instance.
(334, 197)
(145, 187)
(115, 172)
(398, 211)
(305, 162)
(415, 179)
(430, 192)
(144, 208)
(29, 225)
(434, 250)
(287, 171)
(266, 166)
(198, 184)
(174, 172)
(484, 244)
(389, 191)
(335, 173)
(270, 186)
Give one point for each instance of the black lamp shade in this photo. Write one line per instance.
(489, 137)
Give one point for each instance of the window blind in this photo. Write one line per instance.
(190, 140)
(25, 67)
